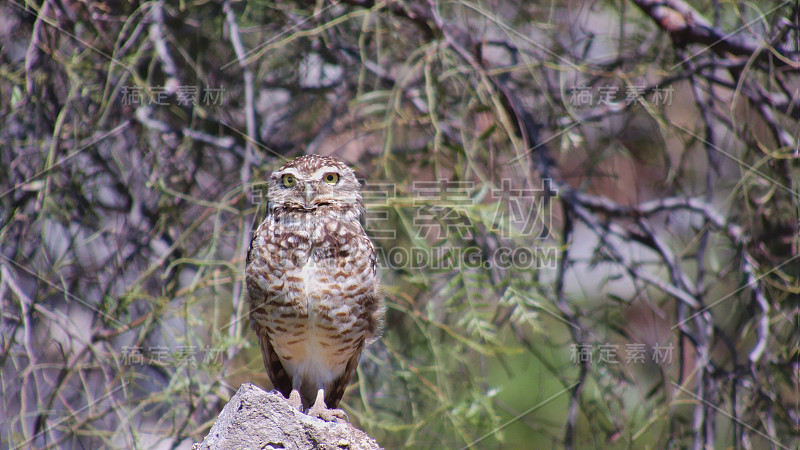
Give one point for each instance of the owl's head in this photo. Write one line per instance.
(311, 182)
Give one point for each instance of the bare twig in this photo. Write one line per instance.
(244, 173)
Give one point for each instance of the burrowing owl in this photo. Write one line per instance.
(312, 283)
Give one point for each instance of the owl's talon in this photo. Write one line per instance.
(321, 410)
(328, 415)
(295, 401)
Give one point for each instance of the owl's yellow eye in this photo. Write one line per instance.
(331, 178)
(288, 180)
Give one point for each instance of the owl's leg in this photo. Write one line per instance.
(295, 400)
(320, 409)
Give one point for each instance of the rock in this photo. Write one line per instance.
(255, 419)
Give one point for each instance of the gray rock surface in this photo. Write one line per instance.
(255, 419)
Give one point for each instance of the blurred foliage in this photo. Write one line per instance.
(540, 177)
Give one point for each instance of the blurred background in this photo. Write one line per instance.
(586, 212)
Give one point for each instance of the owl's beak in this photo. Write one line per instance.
(309, 193)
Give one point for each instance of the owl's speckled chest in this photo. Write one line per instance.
(294, 258)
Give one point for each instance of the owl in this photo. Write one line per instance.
(312, 283)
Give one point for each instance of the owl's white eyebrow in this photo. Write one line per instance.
(290, 170)
(319, 173)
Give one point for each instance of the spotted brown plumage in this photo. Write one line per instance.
(312, 283)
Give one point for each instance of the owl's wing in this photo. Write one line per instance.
(277, 374)
(334, 394)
